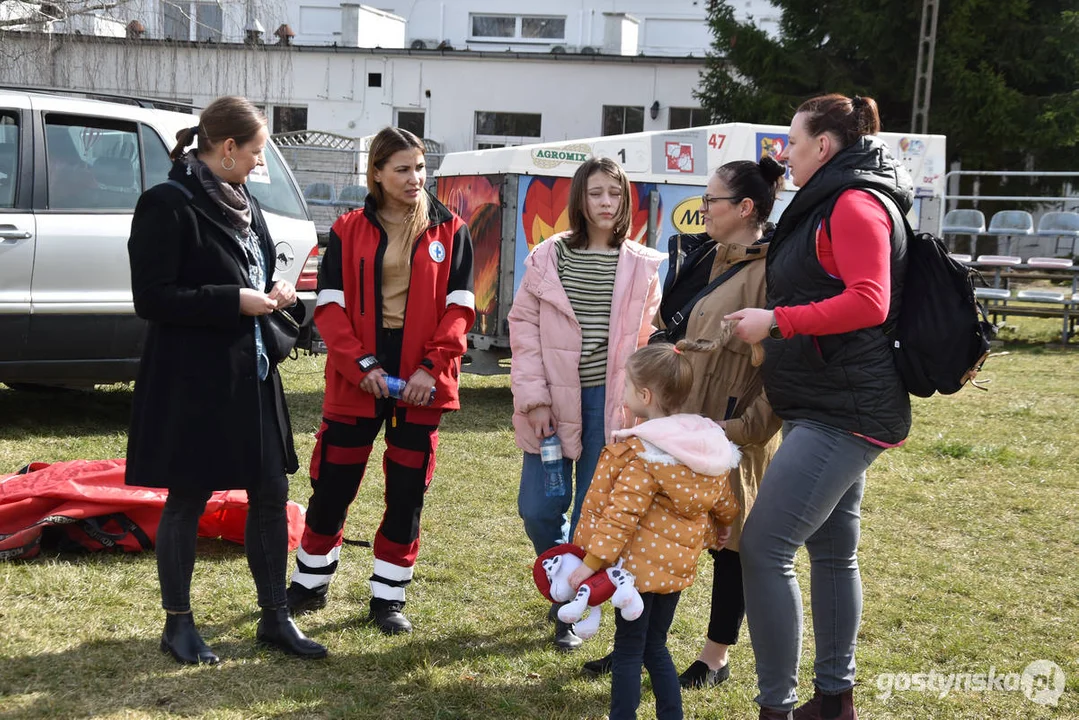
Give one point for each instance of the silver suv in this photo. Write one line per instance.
(71, 171)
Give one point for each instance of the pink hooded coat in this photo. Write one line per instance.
(656, 491)
(545, 339)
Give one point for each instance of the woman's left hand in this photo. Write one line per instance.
(723, 536)
(579, 575)
(284, 293)
(418, 389)
(753, 324)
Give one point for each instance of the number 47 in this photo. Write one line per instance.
(715, 140)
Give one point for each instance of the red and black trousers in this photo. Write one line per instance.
(338, 465)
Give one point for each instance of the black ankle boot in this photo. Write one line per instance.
(388, 616)
(600, 666)
(565, 639)
(304, 600)
(276, 628)
(181, 640)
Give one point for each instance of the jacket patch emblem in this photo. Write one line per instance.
(437, 251)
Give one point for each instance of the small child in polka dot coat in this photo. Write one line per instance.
(654, 493)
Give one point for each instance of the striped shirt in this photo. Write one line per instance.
(588, 279)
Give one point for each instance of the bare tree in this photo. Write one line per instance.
(34, 14)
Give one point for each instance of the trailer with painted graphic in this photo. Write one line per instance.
(514, 198)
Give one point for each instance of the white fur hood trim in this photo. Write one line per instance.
(691, 440)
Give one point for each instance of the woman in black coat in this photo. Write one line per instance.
(209, 410)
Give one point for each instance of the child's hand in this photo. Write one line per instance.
(579, 575)
(541, 421)
(723, 536)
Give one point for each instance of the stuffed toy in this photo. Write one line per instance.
(551, 572)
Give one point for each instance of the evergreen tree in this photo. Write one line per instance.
(1005, 78)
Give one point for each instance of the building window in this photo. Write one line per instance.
(289, 119)
(185, 21)
(499, 129)
(412, 121)
(516, 28)
(208, 22)
(543, 28)
(175, 21)
(678, 118)
(512, 124)
(618, 119)
(374, 79)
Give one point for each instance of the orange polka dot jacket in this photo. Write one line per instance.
(655, 490)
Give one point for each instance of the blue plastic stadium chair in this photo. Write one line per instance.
(320, 193)
(1064, 226)
(1011, 224)
(965, 222)
(352, 196)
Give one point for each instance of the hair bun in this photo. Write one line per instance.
(857, 102)
(771, 169)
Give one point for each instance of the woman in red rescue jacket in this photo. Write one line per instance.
(394, 299)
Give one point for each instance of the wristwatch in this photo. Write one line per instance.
(774, 332)
(368, 362)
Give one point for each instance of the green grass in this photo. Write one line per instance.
(969, 547)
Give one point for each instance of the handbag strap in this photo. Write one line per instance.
(675, 329)
(180, 186)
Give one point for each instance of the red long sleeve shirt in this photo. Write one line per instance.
(859, 254)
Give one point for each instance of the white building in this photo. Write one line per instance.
(665, 28)
(674, 27)
(462, 100)
(506, 73)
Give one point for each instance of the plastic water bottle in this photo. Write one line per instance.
(551, 455)
(396, 386)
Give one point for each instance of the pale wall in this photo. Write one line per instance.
(569, 93)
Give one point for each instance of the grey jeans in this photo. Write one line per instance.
(810, 495)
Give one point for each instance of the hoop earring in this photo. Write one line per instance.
(228, 168)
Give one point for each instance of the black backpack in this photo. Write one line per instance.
(942, 334)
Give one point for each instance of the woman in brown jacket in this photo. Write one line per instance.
(727, 386)
(726, 263)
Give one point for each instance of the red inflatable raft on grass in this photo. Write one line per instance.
(85, 504)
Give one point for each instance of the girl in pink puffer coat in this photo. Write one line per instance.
(585, 304)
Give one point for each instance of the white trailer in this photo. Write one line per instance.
(513, 198)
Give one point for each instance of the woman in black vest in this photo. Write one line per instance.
(209, 410)
(835, 270)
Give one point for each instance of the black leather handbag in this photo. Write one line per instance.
(280, 330)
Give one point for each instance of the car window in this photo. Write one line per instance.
(155, 155)
(92, 164)
(274, 188)
(9, 157)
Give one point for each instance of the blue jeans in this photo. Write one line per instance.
(811, 494)
(644, 642)
(545, 517)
